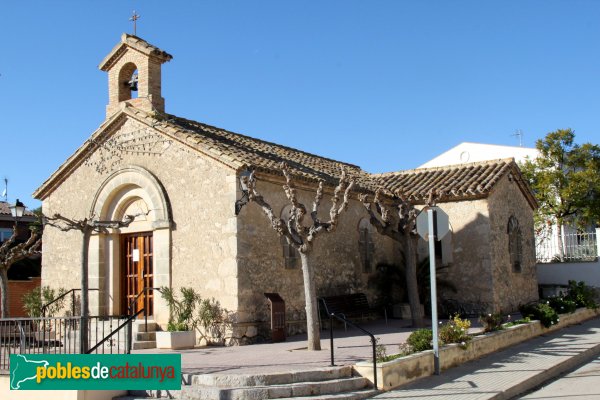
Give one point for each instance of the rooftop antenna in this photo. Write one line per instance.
(134, 18)
(5, 191)
(519, 133)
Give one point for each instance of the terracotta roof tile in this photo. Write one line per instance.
(5, 210)
(255, 153)
(454, 182)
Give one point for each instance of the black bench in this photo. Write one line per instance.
(353, 305)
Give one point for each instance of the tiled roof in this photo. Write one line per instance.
(454, 182)
(5, 210)
(240, 151)
(137, 43)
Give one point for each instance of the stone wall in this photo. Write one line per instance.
(201, 238)
(336, 262)
(511, 288)
(467, 278)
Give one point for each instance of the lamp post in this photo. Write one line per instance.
(17, 210)
(244, 175)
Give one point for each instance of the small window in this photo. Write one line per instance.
(291, 257)
(515, 246)
(365, 244)
(5, 234)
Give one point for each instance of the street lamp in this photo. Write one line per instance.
(244, 176)
(17, 210)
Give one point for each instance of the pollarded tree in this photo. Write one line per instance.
(402, 229)
(86, 226)
(11, 253)
(566, 181)
(301, 236)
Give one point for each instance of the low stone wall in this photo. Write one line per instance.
(401, 371)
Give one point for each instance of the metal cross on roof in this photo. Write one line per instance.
(134, 18)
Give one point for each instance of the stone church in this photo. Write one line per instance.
(182, 178)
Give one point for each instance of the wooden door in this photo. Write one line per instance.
(137, 272)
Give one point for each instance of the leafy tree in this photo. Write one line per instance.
(566, 181)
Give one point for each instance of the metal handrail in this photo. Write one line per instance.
(134, 300)
(342, 318)
(72, 291)
(128, 323)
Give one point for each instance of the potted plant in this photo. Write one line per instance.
(181, 329)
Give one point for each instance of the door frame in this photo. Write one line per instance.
(146, 258)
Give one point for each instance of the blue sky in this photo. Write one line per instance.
(386, 85)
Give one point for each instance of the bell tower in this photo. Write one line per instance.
(134, 75)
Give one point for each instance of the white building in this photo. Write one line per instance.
(468, 152)
(576, 245)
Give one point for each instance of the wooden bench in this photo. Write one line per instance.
(353, 305)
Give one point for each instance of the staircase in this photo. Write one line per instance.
(143, 339)
(332, 383)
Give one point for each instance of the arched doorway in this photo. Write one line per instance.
(125, 261)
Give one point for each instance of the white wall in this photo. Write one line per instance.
(467, 152)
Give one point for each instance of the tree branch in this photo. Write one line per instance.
(277, 224)
(383, 226)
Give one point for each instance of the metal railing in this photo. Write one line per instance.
(130, 308)
(342, 318)
(126, 324)
(60, 335)
(73, 302)
(575, 247)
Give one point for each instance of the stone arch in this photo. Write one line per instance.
(125, 75)
(123, 192)
(128, 182)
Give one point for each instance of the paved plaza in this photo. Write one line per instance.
(503, 375)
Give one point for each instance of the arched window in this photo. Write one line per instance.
(291, 257)
(515, 246)
(365, 244)
(128, 82)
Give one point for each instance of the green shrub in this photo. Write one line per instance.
(34, 300)
(540, 311)
(562, 305)
(581, 294)
(492, 322)
(420, 340)
(181, 312)
(455, 330)
(521, 321)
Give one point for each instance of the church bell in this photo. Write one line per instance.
(133, 83)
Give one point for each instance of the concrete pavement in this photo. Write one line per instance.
(583, 383)
(350, 347)
(511, 372)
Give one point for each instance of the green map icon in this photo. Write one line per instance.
(24, 370)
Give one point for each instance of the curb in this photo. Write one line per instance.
(549, 374)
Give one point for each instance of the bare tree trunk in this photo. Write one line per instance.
(85, 310)
(313, 329)
(411, 281)
(561, 232)
(4, 288)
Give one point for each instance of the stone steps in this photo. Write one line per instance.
(145, 336)
(143, 344)
(277, 378)
(354, 395)
(323, 383)
(142, 338)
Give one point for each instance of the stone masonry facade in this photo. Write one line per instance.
(181, 179)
